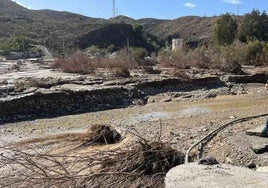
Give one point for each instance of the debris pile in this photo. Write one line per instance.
(140, 162)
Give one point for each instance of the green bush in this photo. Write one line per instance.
(137, 30)
(254, 53)
(201, 57)
(17, 43)
(225, 30)
(174, 59)
(138, 55)
(254, 27)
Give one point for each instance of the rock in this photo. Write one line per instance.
(140, 102)
(15, 55)
(263, 169)
(255, 78)
(166, 99)
(251, 165)
(176, 95)
(201, 176)
(208, 161)
(151, 100)
(255, 132)
(210, 95)
(260, 148)
(232, 117)
(228, 160)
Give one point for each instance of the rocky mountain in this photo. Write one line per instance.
(64, 30)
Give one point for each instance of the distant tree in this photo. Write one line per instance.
(254, 27)
(137, 30)
(21, 43)
(225, 30)
(16, 43)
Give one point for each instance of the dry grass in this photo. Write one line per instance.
(76, 63)
(79, 62)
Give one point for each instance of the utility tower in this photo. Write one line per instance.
(113, 8)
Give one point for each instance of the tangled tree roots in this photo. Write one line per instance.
(145, 159)
(102, 134)
(137, 164)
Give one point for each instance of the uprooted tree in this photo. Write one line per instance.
(140, 162)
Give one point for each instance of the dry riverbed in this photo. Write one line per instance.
(184, 121)
(179, 118)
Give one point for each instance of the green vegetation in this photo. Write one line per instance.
(225, 30)
(224, 42)
(137, 55)
(254, 27)
(137, 30)
(248, 46)
(17, 43)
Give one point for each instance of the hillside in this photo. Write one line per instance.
(64, 30)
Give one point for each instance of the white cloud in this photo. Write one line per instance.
(189, 5)
(234, 2)
(21, 4)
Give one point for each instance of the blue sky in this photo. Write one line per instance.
(165, 9)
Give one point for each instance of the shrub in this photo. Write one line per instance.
(230, 66)
(76, 63)
(254, 27)
(174, 59)
(16, 43)
(254, 53)
(200, 58)
(225, 30)
(138, 55)
(264, 57)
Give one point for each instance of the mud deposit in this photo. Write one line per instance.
(152, 109)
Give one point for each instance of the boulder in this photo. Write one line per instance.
(260, 148)
(15, 55)
(255, 132)
(193, 175)
(254, 78)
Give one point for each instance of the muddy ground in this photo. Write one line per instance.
(184, 121)
(178, 118)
